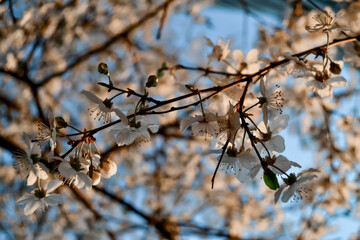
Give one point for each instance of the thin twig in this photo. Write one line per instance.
(218, 164)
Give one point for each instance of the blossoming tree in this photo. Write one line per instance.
(112, 128)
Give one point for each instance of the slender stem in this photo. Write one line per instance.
(74, 128)
(255, 125)
(118, 94)
(280, 170)
(252, 106)
(201, 105)
(267, 150)
(218, 164)
(243, 140)
(326, 52)
(230, 65)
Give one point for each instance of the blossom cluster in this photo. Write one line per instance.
(244, 132)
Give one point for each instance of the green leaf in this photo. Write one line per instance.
(271, 180)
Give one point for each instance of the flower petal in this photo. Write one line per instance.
(28, 197)
(41, 171)
(31, 207)
(289, 192)
(66, 170)
(279, 123)
(276, 143)
(252, 56)
(278, 193)
(254, 171)
(337, 81)
(186, 122)
(122, 116)
(53, 199)
(238, 56)
(52, 185)
(31, 179)
(92, 97)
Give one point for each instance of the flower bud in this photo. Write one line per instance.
(152, 81)
(103, 68)
(94, 175)
(107, 168)
(335, 68)
(60, 122)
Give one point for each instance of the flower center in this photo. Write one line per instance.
(321, 76)
(34, 158)
(135, 124)
(276, 100)
(291, 179)
(40, 193)
(107, 103)
(231, 152)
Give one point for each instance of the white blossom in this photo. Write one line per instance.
(75, 173)
(220, 50)
(280, 162)
(47, 134)
(102, 108)
(28, 162)
(294, 185)
(323, 84)
(271, 99)
(135, 132)
(270, 136)
(41, 197)
(326, 21)
(202, 125)
(245, 66)
(238, 163)
(230, 124)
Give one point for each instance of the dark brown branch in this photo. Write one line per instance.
(160, 225)
(163, 19)
(12, 12)
(122, 35)
(9, 145)
(88, 204)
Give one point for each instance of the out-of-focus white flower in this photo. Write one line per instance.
(296, 67)
(75, 173)
(47, 134)
(323, 84)
(352, 54)
(136, 132)
(41, 197)
(295, 185)
(271, 99)
(280, 162)
(245, 66)
(220, 50)
(28, 162)
(203, 125)
(105, 166)
(326, 21)
(102, 109)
